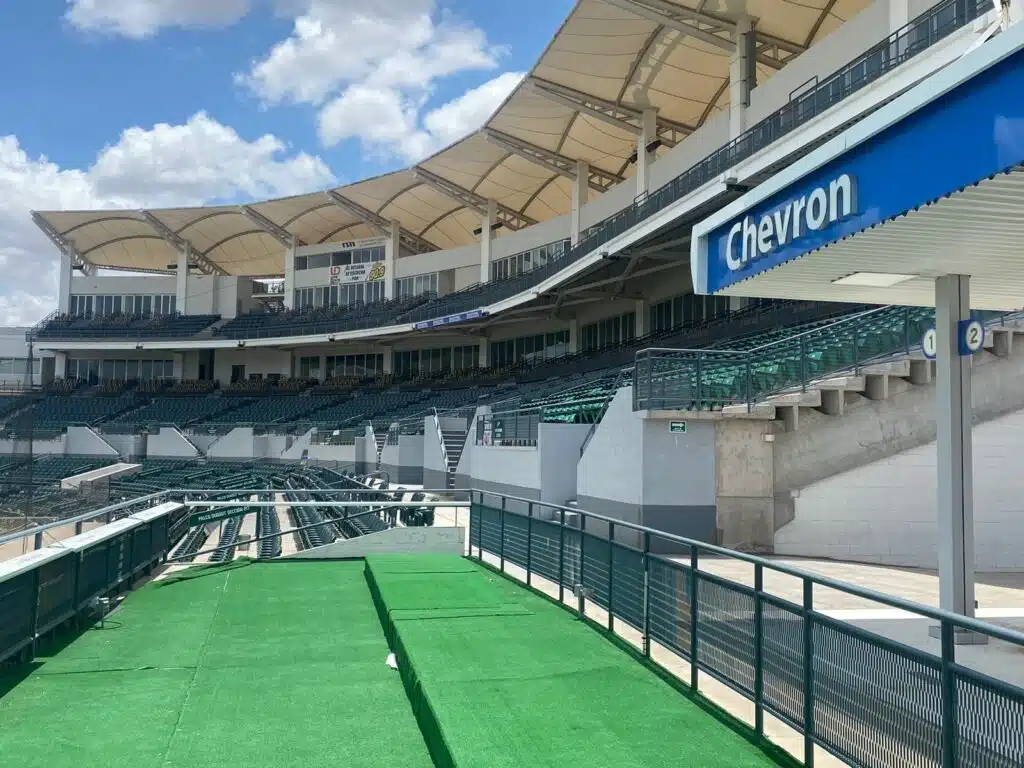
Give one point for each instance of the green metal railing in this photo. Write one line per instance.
(867, 699)
(708, 379)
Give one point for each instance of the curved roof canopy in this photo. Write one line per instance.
(582, 101)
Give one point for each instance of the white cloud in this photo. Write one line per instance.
(198, 162)
(144, 18)
(390, 125)
(370, 69)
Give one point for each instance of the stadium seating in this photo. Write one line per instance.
(314, 320)
(65, 326)
(181, 411)
(58, 412)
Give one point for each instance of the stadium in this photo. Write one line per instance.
(670, 418)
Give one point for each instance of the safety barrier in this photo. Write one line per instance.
(867, 699)
(46, 587)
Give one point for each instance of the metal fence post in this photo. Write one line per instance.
(561, 556)
(758, 649)
(501, 535)
(700, 375)
(611, 571)
(694, 565)
(581, 599)
(529, 540)
(750, 394)
(803, 363)
(808, 673)
(856, 349)
(647, 594)
(950, 725)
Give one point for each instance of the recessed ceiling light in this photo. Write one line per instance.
(873, 279)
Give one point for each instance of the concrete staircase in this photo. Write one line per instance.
(454, 443)
(802, 443)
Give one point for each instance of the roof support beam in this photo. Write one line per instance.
(625, 118)
(282, 235)
(182, 245)
(507, 216)
(410, 240)
(62, 244)
(598, 179)
(710, 28)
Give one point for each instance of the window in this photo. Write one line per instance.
(527, 261)
(543, 346)
(608, 332)
(309, 367)
(416, 285)
(353, 365)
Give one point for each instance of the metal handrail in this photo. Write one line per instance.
(929, 705)
(1003, 633)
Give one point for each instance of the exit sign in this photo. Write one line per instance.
(677, 426)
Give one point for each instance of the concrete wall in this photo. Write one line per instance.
(403, 461)
(168, 442)
(635, 470)
(396, 541)
(435, 473)
(507, 470)
(365, 453)
(862, 485)
(84, 441)
(128, 446)
(885, 512)
(559, 447)
(236, 444)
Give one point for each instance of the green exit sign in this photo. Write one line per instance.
(677, 426)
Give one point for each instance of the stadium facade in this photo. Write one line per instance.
(520, 313)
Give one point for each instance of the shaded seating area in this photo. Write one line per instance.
(67, 326)
(316, 320)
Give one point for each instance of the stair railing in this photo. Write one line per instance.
(440, 439)
(604, 407)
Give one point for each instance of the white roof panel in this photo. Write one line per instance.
(629, 54)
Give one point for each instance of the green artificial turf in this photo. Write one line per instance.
(275, 665)
(501, 677)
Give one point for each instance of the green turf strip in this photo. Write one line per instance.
(535, 686)
(268, 665)
(109, 719)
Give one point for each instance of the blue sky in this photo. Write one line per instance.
(185, 102)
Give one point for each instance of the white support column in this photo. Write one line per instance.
(181, 299)
(644, 159)
(574, 336)
(580, 192)
(392, 251)
(640, 324)
(60, 365)
(289, 277)
(389, 358)
(953, 420)
(178, 361)
(484, 353)
(64, 287)
(486, 233)
(741, 70)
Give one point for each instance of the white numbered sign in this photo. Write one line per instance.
(930, 344)
(974, 336)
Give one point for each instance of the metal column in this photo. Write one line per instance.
(955, 497)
